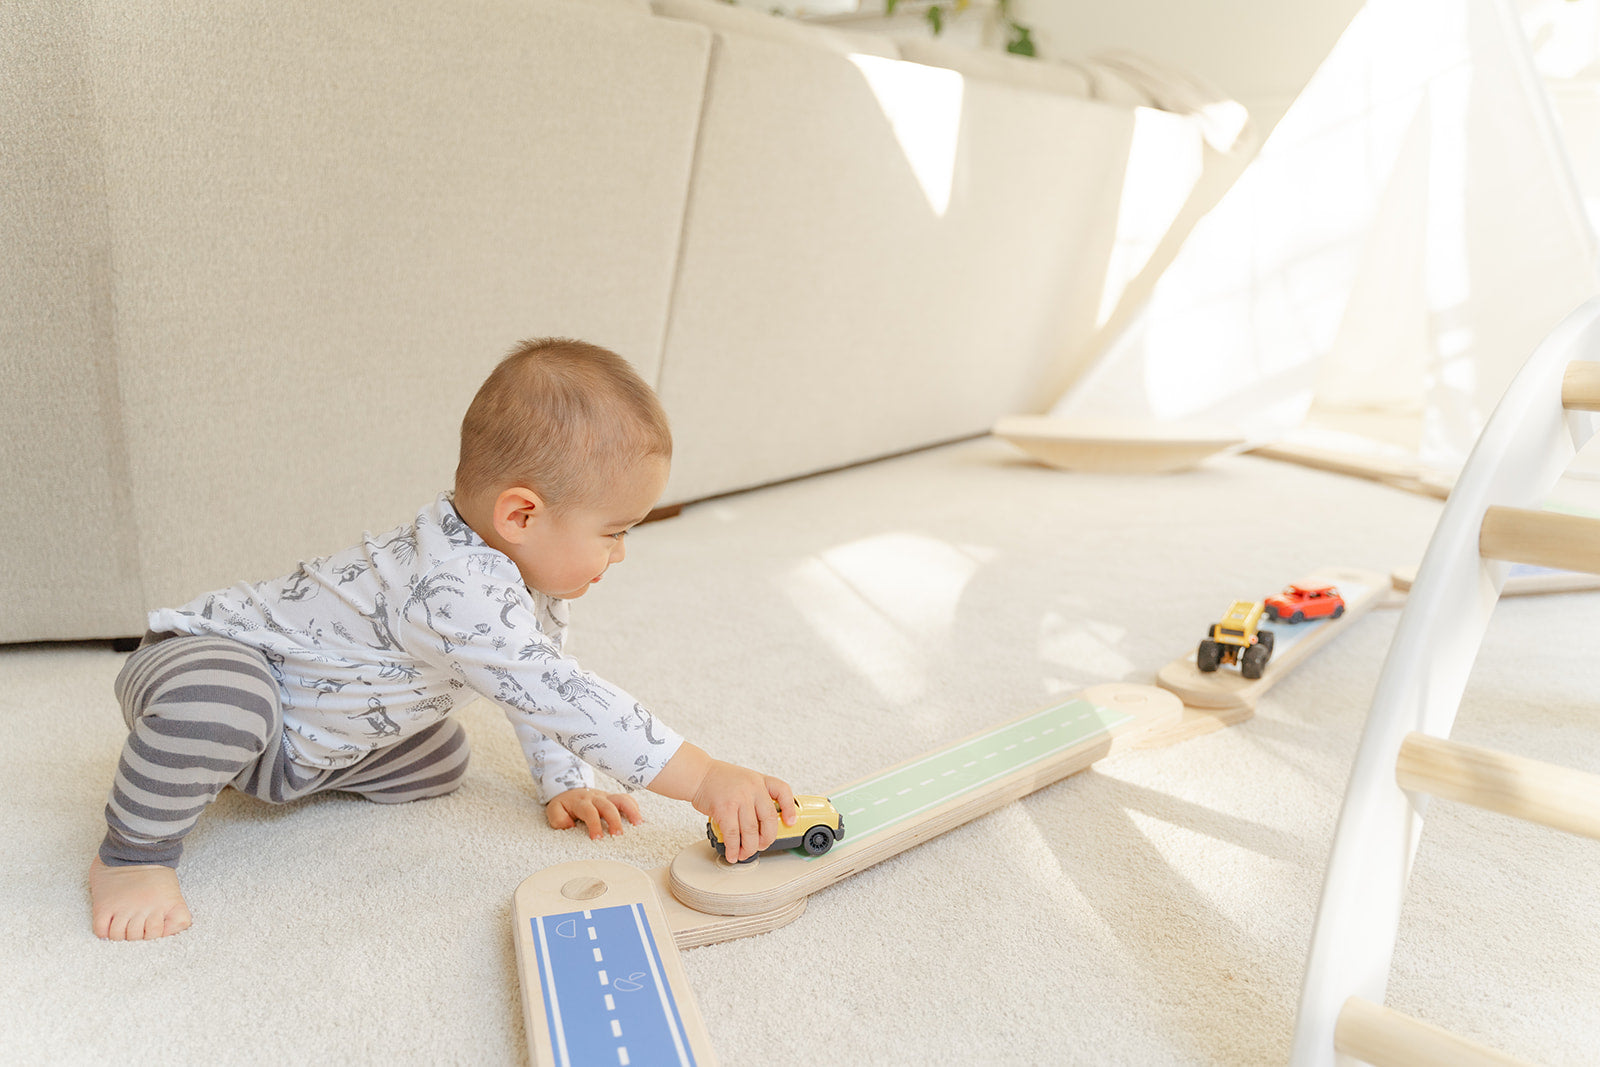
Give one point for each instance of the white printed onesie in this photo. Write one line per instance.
(375, 643)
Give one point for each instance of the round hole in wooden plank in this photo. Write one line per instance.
(585, 888)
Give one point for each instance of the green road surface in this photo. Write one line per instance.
(897, 795)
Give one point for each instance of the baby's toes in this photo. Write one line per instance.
(178, 920)
(117, 926)
(144, 925)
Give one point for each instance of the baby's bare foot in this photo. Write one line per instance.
(136, 903)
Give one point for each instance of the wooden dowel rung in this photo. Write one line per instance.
(1529, 789)
(1541, 538)
(1580, 387)
(1387, 1038)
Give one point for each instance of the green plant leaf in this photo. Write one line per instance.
(888, 6)
(1021, 42)
(935, 17)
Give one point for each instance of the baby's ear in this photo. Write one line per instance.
(515, 509)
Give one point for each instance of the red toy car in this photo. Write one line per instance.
(1298, 603)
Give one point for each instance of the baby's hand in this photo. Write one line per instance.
(741, 802)
(599, 812)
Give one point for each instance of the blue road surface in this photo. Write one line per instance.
(1289, 634)
(606, 997)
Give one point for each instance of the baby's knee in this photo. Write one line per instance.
(241, 718)
(452, 765)
(437, 765)
(210, 689)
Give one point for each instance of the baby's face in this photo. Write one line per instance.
(567, 551)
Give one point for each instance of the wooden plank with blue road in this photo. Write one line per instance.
(602, 982)
(605, 996)
(1228, 694)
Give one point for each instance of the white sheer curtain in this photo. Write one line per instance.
(1407, 235)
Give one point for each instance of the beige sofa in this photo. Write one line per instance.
(264, 251)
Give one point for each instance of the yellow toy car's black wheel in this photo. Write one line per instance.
(819, 839)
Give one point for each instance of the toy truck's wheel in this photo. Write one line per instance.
(1254, 661)
(1338, 611)
(1298, 616)
(819, 839)
(1265, 638)
(1209, 656)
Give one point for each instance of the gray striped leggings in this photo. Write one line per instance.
(203, 714)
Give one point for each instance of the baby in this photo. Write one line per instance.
(342, 675)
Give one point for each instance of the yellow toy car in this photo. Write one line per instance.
(816, 827)
(1237, 639)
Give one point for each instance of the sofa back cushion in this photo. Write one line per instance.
(730, 18)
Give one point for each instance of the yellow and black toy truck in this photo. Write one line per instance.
(1237, 639)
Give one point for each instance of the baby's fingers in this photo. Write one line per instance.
(729, 829)
(588, 812)
(741, 834)
(612, 808)
(628, 808)
(749, 833)
(780, 792)
(557, 815)
(761, 825)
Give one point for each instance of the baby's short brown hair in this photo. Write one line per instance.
(560, 417)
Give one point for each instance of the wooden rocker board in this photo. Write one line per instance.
(1224, 696)
(601, 977)
(1114, 446)
(891, 811)
(1523, 580)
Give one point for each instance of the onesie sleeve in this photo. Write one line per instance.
(555, 770)
(475, 623)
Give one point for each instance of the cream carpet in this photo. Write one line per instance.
(1152, 910)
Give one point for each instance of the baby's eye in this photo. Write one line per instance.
(619, 535)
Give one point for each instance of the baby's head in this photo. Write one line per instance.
(563, 450)
(563, 418)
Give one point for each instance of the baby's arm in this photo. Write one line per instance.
(565, 718)
(738, 799)
(491, 638)
(569, 783)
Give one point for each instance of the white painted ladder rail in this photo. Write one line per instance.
(1527, 443)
